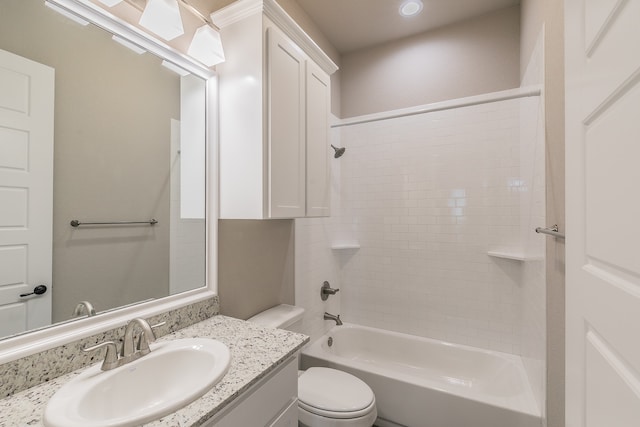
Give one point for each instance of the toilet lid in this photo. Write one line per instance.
(325, 390)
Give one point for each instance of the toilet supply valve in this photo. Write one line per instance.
(327, 290)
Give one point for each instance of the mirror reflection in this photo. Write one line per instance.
(93, 131)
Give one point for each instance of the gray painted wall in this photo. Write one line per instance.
(111, 160)
(255, 265)
(476, 56)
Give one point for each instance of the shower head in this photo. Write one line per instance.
(339, 151)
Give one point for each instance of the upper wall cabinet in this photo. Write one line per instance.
(274, 115)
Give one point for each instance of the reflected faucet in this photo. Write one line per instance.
(84, 308)
(329, 316)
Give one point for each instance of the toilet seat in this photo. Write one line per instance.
(334, 394)
(336, 415)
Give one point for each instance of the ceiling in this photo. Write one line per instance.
(355, 24)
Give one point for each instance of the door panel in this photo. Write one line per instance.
(603, 207)
(608, 386)
(14, 149)
(26, 191)
(13, 319)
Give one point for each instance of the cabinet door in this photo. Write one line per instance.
(288, 417)
(318, 153)
(286, 127)
(271, 402)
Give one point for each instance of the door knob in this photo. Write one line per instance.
(38, 290)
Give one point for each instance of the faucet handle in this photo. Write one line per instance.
(110, 357)
(143, 340)
(327, 290)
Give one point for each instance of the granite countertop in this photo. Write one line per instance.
(255, 351)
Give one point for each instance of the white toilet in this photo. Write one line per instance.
(326, 397)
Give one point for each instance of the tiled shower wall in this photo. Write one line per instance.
(426, 197)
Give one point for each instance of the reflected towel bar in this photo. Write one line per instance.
(76, 223)
(551, 231)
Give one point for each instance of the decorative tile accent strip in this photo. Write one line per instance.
(41, 367)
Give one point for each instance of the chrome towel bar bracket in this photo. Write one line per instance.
(551, 231)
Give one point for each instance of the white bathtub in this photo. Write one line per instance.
(420, 382)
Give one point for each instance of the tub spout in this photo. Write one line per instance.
(328, 316)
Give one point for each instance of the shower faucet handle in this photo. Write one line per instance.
(327, 290)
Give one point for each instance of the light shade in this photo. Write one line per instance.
(206, 46)
(162, 17)
(411, 7)
(110, 3)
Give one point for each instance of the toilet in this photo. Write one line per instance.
(326, 397)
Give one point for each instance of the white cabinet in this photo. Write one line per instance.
(317, 137)
(272, 402)
(285, 127)
(274, 115)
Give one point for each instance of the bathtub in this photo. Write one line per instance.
(421, 382)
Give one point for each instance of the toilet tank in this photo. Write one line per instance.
(283, 316)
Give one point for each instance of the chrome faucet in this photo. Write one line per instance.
(328, 316)
(130, 350)
(84, 308)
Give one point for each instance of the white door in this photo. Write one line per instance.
(26, 192)
(286, 95)
(603, 212)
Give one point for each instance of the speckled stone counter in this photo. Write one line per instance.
(255, 351)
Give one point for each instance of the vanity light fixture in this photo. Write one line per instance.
(66, 13)
(411, 7)
(162, 17)
(206, 46)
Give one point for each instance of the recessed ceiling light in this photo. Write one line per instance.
(410, 7)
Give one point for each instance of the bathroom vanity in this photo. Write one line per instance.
(260, 388)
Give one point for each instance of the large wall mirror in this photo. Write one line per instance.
(94, 129)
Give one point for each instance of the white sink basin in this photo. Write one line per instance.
(173, 375)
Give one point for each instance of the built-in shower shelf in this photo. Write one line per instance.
(516, 256)
(345, 245)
